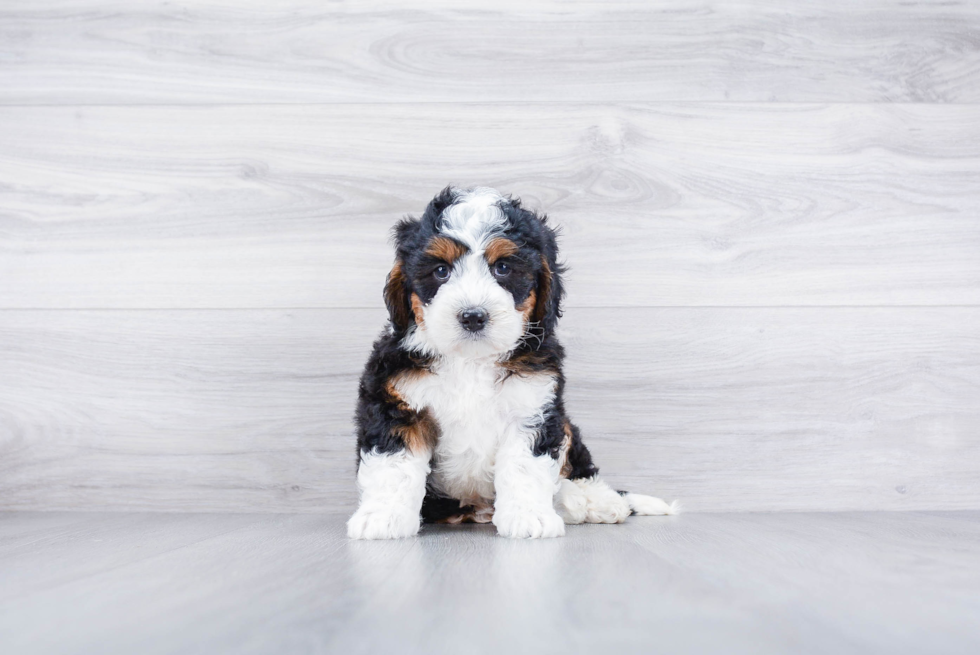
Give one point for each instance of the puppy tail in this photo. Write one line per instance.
(649, 506)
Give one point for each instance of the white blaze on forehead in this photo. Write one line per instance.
(474, 217)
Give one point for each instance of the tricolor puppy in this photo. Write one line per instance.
(460, 414)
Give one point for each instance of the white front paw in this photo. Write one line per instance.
(382, 524)
(527, 523)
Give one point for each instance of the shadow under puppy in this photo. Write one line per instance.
(460, 414)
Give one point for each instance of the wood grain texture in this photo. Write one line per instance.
(771, 211)
(845, 583)
(725, 409)
(302, 51)
(753, 205)
(180, 410)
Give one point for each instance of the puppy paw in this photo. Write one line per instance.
(382, 524)
(528, 524)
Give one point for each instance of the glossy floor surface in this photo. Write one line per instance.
(879, 582)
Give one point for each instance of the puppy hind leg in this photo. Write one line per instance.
(602, 503)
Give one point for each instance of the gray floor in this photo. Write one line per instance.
(733, 583)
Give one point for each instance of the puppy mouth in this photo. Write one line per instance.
(487, 341)
(472, 336)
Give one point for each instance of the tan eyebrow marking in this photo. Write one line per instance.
(446, 249)
(499, 248)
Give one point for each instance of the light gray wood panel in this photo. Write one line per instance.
(723, 409)
(872, 408)
(99, 51)
(749, 583)
(660, 205)
(205, 410)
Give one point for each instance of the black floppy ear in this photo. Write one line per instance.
(550, 288)
(398, 285)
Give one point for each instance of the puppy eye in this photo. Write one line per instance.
(441, 273)
(500, 269)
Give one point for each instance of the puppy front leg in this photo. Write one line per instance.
(525, 487)
(391, 486)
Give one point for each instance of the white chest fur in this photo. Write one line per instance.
(477, 406)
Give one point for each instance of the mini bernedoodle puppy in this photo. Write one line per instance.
(460, 415)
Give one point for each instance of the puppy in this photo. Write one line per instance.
(460, 414)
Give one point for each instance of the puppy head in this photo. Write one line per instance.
(475, 276)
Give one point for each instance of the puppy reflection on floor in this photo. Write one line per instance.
(460, 414)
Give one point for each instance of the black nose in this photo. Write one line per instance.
(473, 319)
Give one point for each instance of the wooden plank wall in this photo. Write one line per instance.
(771, 212)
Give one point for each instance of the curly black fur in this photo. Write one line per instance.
(378, 413)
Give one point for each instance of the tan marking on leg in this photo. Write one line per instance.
(420, 433)
(421, 430)
(564, 462)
